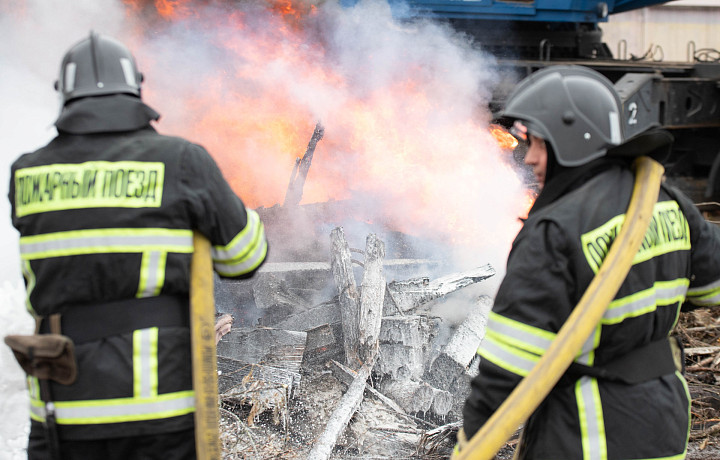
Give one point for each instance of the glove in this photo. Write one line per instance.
(223, 325)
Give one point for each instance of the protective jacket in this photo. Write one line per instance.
(553, 260)
(106, 213)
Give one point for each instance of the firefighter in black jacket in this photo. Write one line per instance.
(106, 213)
(623, 397)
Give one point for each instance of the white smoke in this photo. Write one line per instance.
(403, 105)
(377, 77)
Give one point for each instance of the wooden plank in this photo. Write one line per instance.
(461, 348)
(417, 396)
(410, 294)
(342, 414)
(701, 351)
(273, 347)
(347, 375)
(372, 295)
(348, 295)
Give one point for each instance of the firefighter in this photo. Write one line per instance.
(624, 396)
(106, 213)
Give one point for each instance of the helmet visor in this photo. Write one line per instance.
(519, 131)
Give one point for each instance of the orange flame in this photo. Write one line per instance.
(390, 144)
(505, 140)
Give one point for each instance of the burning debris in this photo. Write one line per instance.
(346, 360)
(369, 370)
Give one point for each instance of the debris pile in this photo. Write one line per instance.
(323, 367)
(700, 333)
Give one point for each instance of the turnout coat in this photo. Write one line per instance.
(106, 213)
(598, 410)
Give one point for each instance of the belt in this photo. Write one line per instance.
(94, 321)
(648, 362)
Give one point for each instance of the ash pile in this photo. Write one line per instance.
(348, 358)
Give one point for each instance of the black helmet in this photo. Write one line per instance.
(576, 109)
(96, 66)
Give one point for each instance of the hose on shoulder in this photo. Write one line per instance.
(533, 389)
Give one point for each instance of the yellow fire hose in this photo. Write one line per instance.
(204, 355)
(533, 389)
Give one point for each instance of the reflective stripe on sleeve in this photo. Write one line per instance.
(705, 296)
(512, 345)
(245, 252)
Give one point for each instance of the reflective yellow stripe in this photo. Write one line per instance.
(517, 347)
(592, 424)
(646, 301)
(152, 273)
(109, 240)
(245, 252)
(587, 351)
(145, 362)
(93, 184)
(513, 345)
(117, 410)
(503, 354)
(524, 336)
(153, 243)
(33, 387)
(668, 231)
(707, 295)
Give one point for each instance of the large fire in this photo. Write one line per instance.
(401, 105)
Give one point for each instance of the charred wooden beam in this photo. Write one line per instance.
(405, 346)
(263, 388)
(348, 296)
(301, 168)
(372, 295)
(319, 315)
(450, 370)
(275, 300)
(417, 396)
(347, 376)
(324, 343)
(233, 377)
(271, 347)
(342, 414)
(410, 294)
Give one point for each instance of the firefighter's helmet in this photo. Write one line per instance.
(96, 66)
(574, 108)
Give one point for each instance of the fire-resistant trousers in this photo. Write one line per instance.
(176, 446)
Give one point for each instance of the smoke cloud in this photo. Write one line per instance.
(403, 105)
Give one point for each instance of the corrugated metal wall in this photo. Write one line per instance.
(671, 32)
